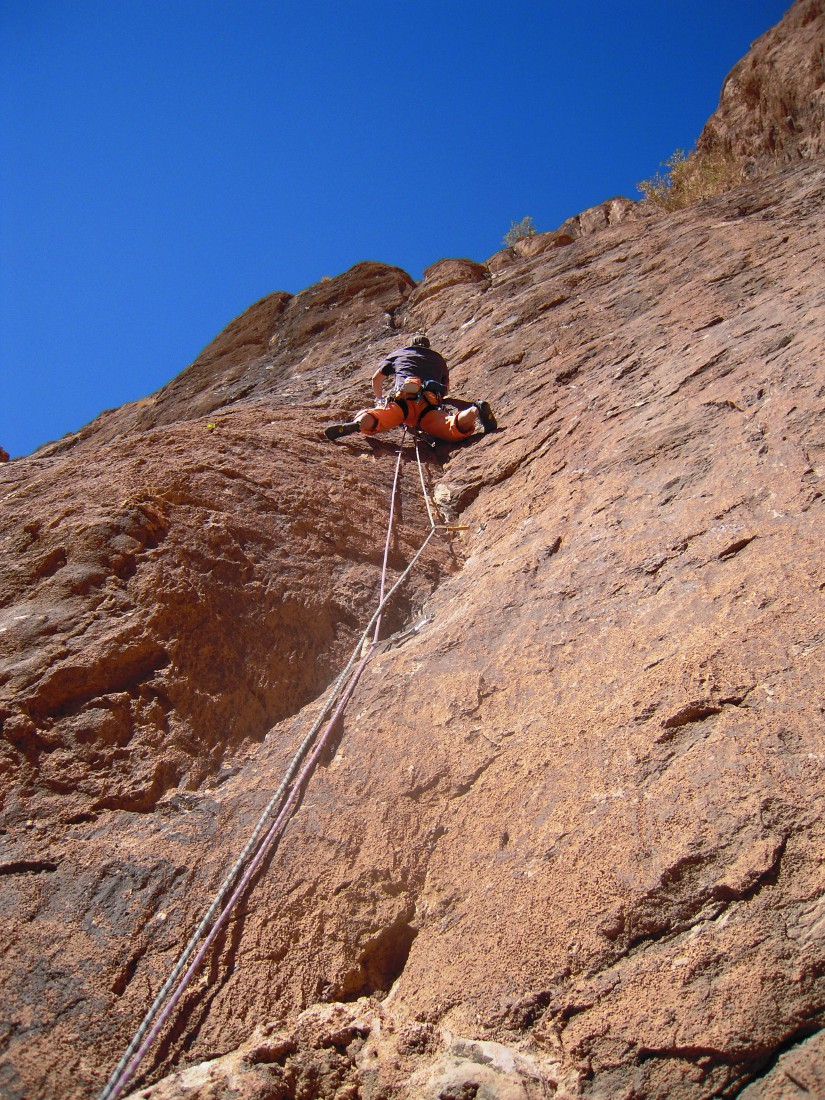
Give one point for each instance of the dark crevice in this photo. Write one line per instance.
(654, 933)
(121, 982)
(709, 904)
(53, 561)
(144, 800)
(735, 700)
(562, 377)
(526, 1011)
(416, 792)
(714, 361)
(694, 712)
(699, 712)
(462, 788)
(747, 1066)
(564, 1015)
(380, 964)
(71, 687)
(27, 867)
(768, 1062)
(735, 547)
(695, 1054)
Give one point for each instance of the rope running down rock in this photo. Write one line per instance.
(283, 801)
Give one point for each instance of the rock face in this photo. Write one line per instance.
(772, 107)
(568, 841)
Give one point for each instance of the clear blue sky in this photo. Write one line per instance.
(165, 163)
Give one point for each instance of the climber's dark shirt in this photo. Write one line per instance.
(423, 363)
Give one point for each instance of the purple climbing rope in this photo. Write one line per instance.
(258, 845)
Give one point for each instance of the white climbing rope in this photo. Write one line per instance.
(265, 833)
(423, 485)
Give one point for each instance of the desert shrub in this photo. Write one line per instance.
(690, 177)
(519, 230)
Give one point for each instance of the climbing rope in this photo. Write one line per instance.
(262, 838)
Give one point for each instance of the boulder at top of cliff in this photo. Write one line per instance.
(611, 212)
(447, 273)
(772, 108)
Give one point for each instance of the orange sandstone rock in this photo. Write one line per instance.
(569, 838)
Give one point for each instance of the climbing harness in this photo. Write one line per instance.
(275, 815)
(413, 388)
(431, 393)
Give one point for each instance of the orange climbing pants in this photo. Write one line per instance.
(420, 414)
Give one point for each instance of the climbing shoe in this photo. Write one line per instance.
(485, 415)
(336, 431)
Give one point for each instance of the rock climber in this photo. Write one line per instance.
(418, 398)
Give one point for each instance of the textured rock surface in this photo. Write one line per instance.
(598, 217)
(772, 107)
(351, 1050)
(798, 1072)
(570, 840)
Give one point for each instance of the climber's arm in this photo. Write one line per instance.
(378, 384)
